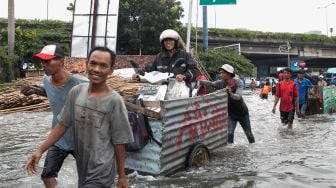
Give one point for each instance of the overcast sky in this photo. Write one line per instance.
(297, 16)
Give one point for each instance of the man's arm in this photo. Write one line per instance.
(54, 135)
(120, 157)
(33, 89)
(239, 91)
(149, 67)
(276, 100)
(277, 96)
(192, 71)
(218, 84)
(297, 107)
(310, 85)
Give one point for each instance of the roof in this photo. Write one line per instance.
(331, 70)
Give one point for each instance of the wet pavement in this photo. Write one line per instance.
(303, 157)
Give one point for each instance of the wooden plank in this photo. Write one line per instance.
(155, 104)
(142, 110)
(36, 107)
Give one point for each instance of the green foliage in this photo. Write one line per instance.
(280, 37)
(32, 35)
(7, 63)
(140, 25)
(214, 59)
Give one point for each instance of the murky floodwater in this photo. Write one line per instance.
(303, 157)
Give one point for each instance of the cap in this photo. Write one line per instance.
(49, 52)
(228, 68)
(321, 76)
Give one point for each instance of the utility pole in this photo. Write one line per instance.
(326, 15)
(331, 31)
(189, 25)
(289, 47)
(47, 10)
(205, 29)
(11, 27)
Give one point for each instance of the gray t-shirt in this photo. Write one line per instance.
(98, 124)
(57, 96)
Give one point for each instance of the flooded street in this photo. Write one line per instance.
(303, 157)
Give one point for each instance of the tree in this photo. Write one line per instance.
(140, 23)
(7, 65)
(30, 37)
(11, 27)
(213, 59)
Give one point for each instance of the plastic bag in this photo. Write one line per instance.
(177, 90)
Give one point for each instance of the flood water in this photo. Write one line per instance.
(303, 157)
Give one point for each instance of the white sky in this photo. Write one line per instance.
(297, 16)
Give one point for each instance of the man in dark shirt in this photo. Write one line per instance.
(237, 109)
(172, 59)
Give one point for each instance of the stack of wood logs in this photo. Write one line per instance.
(124, 87)
(14, 99)
(11, 100)
(15, 102)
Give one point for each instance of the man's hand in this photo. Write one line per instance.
(32, 162)
(27, 90)
(180, 77)
(273, 110)
(228, 89)
(122, 183)
(136, 77)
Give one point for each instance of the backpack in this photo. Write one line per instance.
(142, 133)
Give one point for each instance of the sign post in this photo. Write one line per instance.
(217, 2)
(205, 18)
(286, 48)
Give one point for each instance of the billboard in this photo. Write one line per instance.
(94, 24)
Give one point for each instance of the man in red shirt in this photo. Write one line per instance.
(287, 92)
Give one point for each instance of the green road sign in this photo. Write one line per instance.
(217, 2)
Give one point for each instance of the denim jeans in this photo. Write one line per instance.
(246, 125)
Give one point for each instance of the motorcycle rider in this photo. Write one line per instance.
(171, 59)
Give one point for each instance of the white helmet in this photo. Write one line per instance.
(169, 34)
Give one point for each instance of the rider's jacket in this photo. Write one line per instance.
(181, 62)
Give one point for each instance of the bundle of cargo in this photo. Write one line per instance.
(15, 102)
(11, 100)
(124, 87)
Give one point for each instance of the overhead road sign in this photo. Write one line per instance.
(295, 65)
(217, 2)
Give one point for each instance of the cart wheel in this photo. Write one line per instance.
(198, 155)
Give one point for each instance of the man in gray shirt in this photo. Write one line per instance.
(100, 126)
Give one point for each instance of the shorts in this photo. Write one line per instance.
(287, 117)
(273, 90)
(54, 161)
(264, 96)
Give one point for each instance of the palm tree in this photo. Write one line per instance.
(11, 27)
